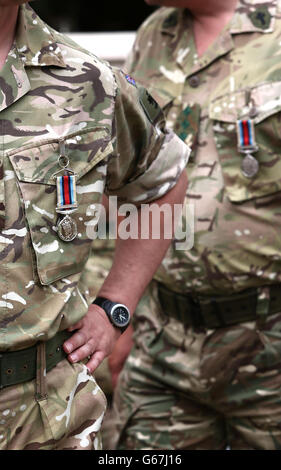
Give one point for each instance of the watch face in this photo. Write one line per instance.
(120, 315)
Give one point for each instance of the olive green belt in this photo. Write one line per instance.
(20, 366)
(202, 312)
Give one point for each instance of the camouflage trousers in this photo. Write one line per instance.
(68, 418)
(185, 390)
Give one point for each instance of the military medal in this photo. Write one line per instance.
(66, 198)
(249, 166)
(247, 145)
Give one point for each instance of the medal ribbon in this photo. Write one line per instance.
(246, 134)
(66, 191)
(247, 145)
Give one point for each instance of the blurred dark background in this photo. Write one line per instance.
(92, 15)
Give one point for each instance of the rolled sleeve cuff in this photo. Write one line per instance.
(161, 176)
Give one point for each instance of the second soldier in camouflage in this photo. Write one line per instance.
(205, 371)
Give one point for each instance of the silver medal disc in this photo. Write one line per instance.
(67, 229)
(249, 166)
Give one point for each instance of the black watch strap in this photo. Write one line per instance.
(103, 302)
(107, 305)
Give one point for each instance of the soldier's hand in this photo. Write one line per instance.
(94, 337)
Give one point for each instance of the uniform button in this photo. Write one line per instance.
(194, 81)
(253, 112)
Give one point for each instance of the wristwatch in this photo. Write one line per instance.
(118, 314)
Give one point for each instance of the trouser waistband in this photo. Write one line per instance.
(21, 366)
(203, 312)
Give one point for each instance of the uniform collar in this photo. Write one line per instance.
(14, 80)
(35, 45)
(250, 17)
(173, 21)
(35, 41)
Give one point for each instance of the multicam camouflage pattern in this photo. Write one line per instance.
(52, 91)
(185, 390)
(68, 419)
(237, 240)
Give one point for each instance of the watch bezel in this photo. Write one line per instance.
(114, 307)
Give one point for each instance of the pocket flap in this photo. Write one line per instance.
(38, 164)
(266, 98)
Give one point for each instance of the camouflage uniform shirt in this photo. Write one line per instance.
(53, 91)
(237, 240)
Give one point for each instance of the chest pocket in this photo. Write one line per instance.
(34, 168)
(263, 105)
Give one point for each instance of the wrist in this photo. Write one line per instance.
(117, 313)
(96, 310)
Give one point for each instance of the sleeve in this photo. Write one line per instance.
(148, 159)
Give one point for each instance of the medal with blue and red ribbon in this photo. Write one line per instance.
(66, 198)
(247, 145)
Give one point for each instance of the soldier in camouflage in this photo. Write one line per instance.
(205, 369)
(65, 111)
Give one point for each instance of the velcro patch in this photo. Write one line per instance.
(150, 106)
(261, 18)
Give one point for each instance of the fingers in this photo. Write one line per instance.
(78, 347)
(75, 341)
(77, 326)
(95, 361)
(94, 337)
(81, 353)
